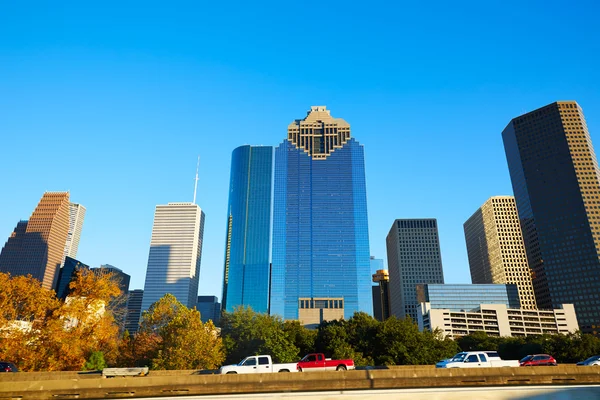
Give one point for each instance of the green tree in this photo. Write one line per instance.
(300, 336)
(174, 337)
(246, 332)
(96, 362)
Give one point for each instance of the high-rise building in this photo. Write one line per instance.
(496, 249)
(66, 275)
(134, 310)
(210, 309)
(247, 267)
(76, 216)
(39, 249)
(381, 295)
(175, 254)
(320, 250)
(413, 252)
(121, 277)
(555, 178)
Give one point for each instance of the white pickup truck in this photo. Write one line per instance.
(476, 359)
(258, 365)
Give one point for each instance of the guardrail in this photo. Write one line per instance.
(26, 386)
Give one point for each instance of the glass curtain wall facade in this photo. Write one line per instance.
(555, 178)
(465, 297)
(247, 267)
(320, 227)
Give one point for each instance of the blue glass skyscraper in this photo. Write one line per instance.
(247, 268)
(321, 267)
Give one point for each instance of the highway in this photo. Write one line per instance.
(488, 393)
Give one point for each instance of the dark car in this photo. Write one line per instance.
(594, 360)
(8, 367)
(536, 360)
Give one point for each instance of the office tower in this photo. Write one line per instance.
(39, 249)
(413, 251)
(134, 310)
(465, 297)
(381, 295)
(496, 249)
(320, 230)
(66, 275)
(210, 309)
(247, 268)
(76, 216)
(121, 277)
(554, 174)
(175, 253)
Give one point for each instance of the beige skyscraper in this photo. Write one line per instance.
(76, 216)
(496, 249)
(37, 246)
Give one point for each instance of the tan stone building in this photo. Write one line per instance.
(498, 320)
(37, 246)
(496, 249)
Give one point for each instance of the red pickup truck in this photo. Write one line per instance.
(318, 362)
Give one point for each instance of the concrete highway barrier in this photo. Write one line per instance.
(73, 385)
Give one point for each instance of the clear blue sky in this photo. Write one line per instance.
(114, 101)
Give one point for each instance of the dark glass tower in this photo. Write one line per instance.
(554, 175)
(247, 269)
(321, 268)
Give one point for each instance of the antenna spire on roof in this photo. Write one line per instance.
(196, 180)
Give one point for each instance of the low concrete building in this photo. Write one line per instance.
(313, 311)
(498, 320)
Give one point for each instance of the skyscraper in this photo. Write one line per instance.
(76, 216)
(175, 254)
(554, 174)
(209, 308)
(247, 268)
(413, 251)
(134, 310)
(37, 246)
(66, 275)
(320, 229)
(496, 249)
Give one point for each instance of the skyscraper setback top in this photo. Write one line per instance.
(320, 229)
(555, 178)
(40, 249)
(319, 134)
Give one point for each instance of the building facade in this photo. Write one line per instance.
(376, 265)
(320, 228)
(413, 252)
(121, 277)
(381, 295)
(554, 174)
(134, 310)
(76, 217)
(37, 246)
(210, 309)
(498, 320)
(248, 239)
(66, 275)
(496, 249)
(465, 297)
(175, 254)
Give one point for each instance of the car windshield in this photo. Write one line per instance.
(459, 357)
(591, 359)
(243, 361)
(527, 358)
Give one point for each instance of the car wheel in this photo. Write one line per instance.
(284, 370)
(341, 368)
(231, 372)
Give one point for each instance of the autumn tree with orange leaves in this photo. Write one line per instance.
(40, 332)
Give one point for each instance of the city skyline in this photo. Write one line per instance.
(141, 91)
